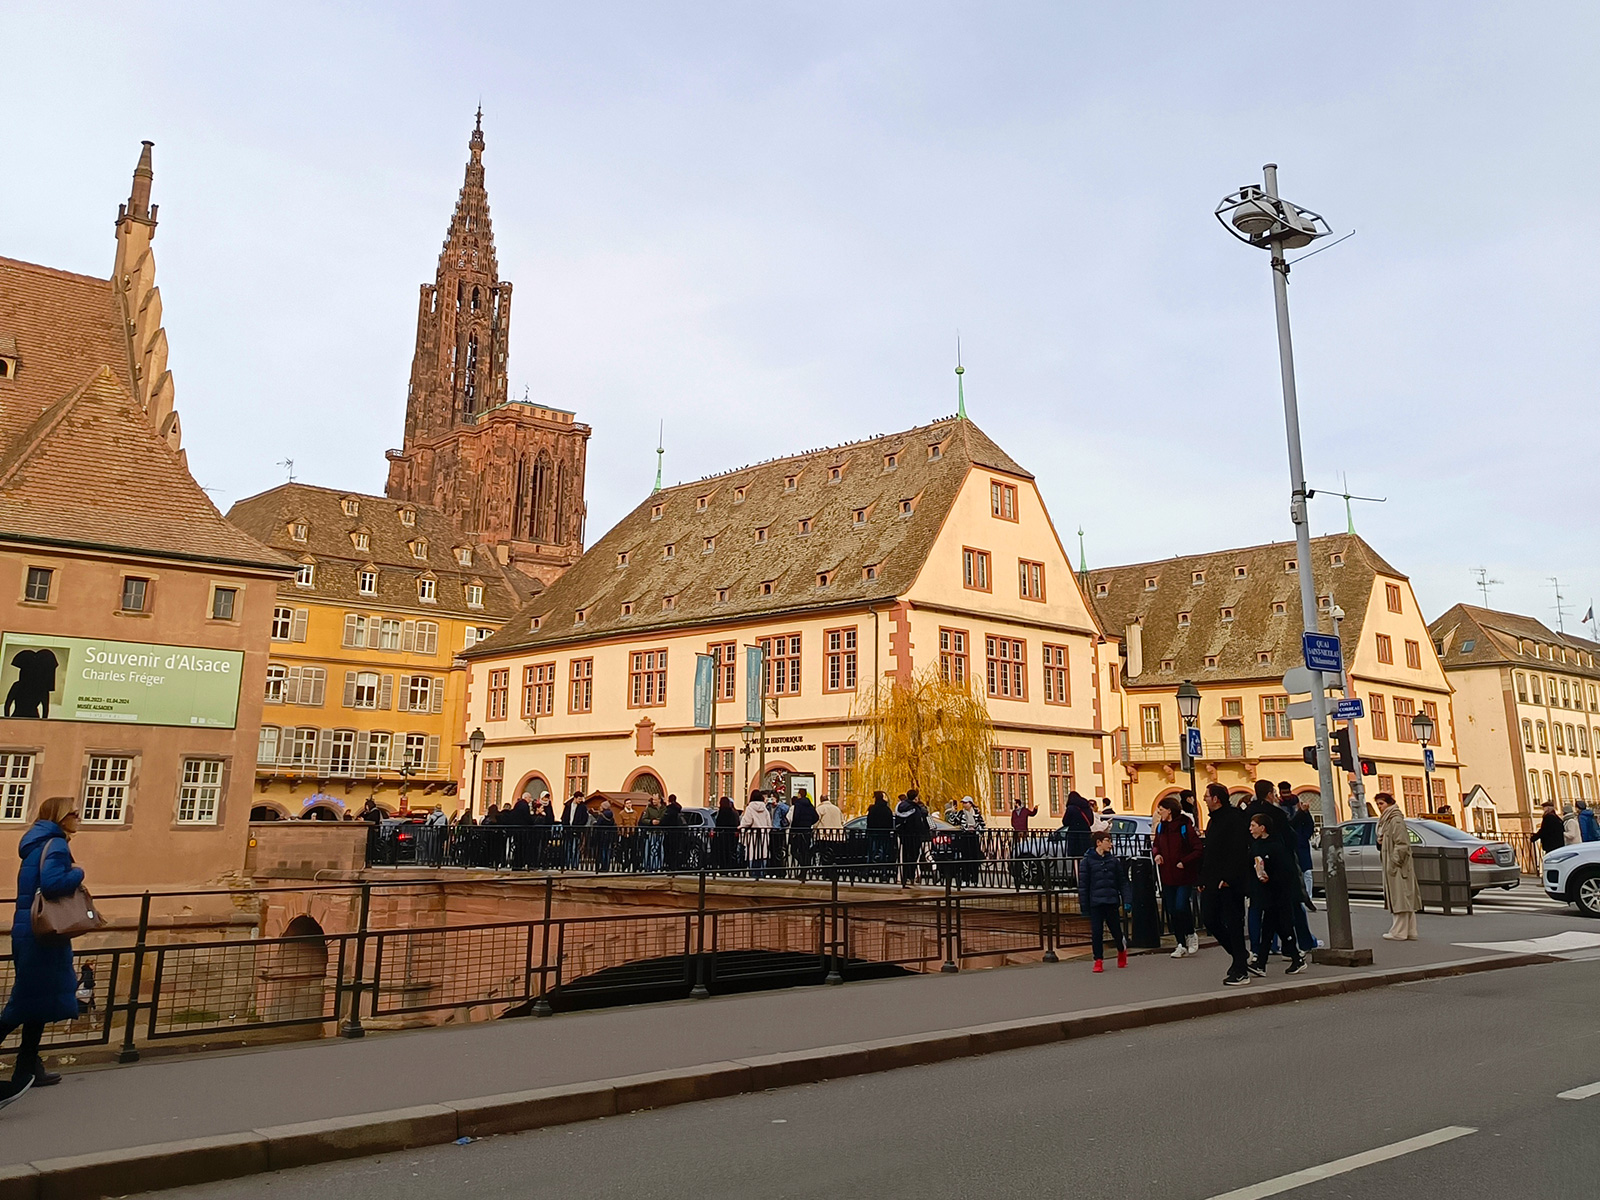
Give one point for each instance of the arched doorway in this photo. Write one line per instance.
(645, 780)
(267, 812)
(532, 783)
(292, 982)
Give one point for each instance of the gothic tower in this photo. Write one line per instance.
(509, 473)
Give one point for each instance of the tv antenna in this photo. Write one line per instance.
(1484, 583)
(1560, 606)
(1346, 496)
(288, 465)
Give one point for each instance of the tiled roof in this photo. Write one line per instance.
(1494, 635)
(90, 471)
(1236, 644)
(739, 503)
(329, 542)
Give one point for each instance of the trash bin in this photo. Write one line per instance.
(1145, 925)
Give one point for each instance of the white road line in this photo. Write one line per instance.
(1582, 1093)
(1340, 1166)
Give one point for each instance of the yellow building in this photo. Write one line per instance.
(878, 559)
(365, 695)
(1230, 622)
(1527, 702)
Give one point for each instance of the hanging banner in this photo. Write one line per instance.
(705, 676)
(754, 664)
(44, 677)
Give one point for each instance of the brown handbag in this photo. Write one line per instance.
(66, 917)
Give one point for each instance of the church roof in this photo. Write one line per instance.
(1470, 636)
(777, 575)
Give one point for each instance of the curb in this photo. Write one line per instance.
(231, 1156)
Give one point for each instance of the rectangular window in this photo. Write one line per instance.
(1432, 709)
(135, 592)
(277, 677)
(581, 699)
(1386, 784)
(1412, 786)
(722, 785)
(647, 678)
(1439, 796)
(1150, 724)
(341, 752)
(105, 789)
(1003, 500)
(841, 660)
(282, 623)
(38, 586)
(1056, 689)
(1385, 649)
(419, 693)
(427, 637)
(1391, 592)
(378, 746)
(1522, 687)
(1413, 655)
(302, 747)
(782, 655)
(200, 791)
(494, 780)
(838, 758)
(577, 774)
(475, 600)
(389, 634)
(16, 783)
(1030, 579)
(267, 745)
(355, 630)
(1378, 717)
(427, 590)
(364, 688)
(1059, 763)
(1538, 696)
(499, 694)
(1008, 667)
(975, 569)
(369, 583)
(306, 575)
(222, 602)
(538, 690)
(1527, 734)
(1275, 723)
(1404, 710)
(416, 751)
(1011, 778)
(953, 655)
(726, 657)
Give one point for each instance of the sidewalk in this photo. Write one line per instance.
(109, 1108)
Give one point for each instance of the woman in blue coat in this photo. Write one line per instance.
(45, 986)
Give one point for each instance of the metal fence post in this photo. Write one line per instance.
(700, 991)
(834, 974)
(952, 904)
(541, 1006)
(352, 1025)
(128, 1054)
(1047, 915)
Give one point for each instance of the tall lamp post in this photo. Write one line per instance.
(1358, 783)
(1422, 726)
(749, 734)
(1260, 218)
(475, 742)
(1189, 710)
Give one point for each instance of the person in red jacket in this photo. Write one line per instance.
(1176, 847)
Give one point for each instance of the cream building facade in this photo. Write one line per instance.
(1230, 622)
(930, 548)
(1528, 709)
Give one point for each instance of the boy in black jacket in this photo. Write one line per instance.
(1278, 887)
(1102, 891)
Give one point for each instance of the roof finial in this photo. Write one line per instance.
(1083, 560)
(660, 453)
(961, 393)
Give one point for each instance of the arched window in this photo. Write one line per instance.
(1533, 786)
(1544, 739)
(1566, 786)
(1550, 785)
(539, 500)
(469, 391)
(1527, 734)
(474, 299)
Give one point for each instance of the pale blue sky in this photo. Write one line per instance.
(763, 223)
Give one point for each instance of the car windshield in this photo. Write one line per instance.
(1448, 832)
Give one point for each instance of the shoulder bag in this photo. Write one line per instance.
(67, 916)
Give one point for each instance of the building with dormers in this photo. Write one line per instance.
(364, 695)
(929, 548)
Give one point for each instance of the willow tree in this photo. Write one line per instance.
(925, 733)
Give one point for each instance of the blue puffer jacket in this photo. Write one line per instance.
(1102, 879)
(46, 986)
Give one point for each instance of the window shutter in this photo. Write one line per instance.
(374, 630)
(403, 698)
(319, 682)
(297, 630)
(349, 629)
(291, 686)
(432, 761)
(360, 767)
(349, 689)
(438, 695)
(324, 749)
(408, 637)
(386, 692)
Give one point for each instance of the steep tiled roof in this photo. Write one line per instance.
(331, 544)
(90, 471)
(738, 504)
(1494, 636)
(1122, 595)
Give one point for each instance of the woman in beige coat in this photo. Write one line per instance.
(1401, 896)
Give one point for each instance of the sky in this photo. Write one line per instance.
(761, 227)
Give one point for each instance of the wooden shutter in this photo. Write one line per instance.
(386, 691)
(408, 636)
(438, 695)
(324, 749)
(359, 768)
(291, 686)
(318, 678)
(349, 689)
(297, 628)
(350, 620)
(432, 761)
(403, 697)
(374, 631)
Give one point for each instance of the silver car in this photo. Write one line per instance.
(1489, 864)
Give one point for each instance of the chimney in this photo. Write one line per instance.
(1133, 649)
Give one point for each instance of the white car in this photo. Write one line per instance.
(1572, 876)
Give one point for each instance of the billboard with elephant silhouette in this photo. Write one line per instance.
(43, 677)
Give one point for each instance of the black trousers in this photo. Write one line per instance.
(28, 1051)
(1101, 915)
(1223, 910)
(910, 852)
(1277, 917)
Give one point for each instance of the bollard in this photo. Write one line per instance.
(1145, 926)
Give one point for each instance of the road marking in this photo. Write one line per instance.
(1555, 943)
(1340, 1166)
(1582, 1093)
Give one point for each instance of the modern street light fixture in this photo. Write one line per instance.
(475, 742)
(1189, 710)
(1259, 217)
(1422, 725)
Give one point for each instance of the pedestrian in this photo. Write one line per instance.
(1176, 848)
(1571, 835)
(1277, 881)
(1265, 805)
(829, 817)
(650, 830)
(44, 986)
(86, 986)
(880, 830)
(1551, 834)
(371, 813)
(603, 834)
(544, 823)
(1224, 877)
(755, 827)
(1077, 820)
(1401, 896)
(672, 835)
(518, 836)
(574, 829)
(725, 835)
(911, 829)
(1304, 826)
(1588, 826)
(1102, 893)
(964, 815)
(803, 820)
(1020, 814)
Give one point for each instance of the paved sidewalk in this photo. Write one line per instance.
(108, 1108)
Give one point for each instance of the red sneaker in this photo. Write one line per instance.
(1098, 966)
(1122, 958)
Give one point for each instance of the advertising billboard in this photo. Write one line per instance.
(44, 677)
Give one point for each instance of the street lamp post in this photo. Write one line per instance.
(475, 742)
(1259, 217)
(1422, 726)
(1189, 710)
(749, 733)
(1358, 783)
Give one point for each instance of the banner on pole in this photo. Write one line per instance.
(754, 665)
(705, 677)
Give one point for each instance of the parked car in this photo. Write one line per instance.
(1572, 876)
(1489, 864)
(399, 838)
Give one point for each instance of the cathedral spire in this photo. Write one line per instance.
(469, 244)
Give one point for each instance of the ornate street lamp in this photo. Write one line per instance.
(1422, 726)
(1189, 710)
(475, 742)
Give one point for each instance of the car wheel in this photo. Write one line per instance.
(1585, 893)
(1506, 887)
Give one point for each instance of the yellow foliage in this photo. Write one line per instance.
(926, 733)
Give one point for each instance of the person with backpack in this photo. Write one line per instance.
(911, 829)
(1102, 893)
(1176, 849)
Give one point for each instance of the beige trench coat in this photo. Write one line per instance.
(1400, 891)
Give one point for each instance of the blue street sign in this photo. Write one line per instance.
(1427, 759)
(1350, 710)
(1192, 742)
(1322, 652)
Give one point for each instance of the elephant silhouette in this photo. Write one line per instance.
(36, 679)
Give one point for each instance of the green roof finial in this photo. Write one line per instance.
(1083, 559)
(961, 393)
(660, 453)
(1349, 517)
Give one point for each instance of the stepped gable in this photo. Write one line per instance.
(738, 503)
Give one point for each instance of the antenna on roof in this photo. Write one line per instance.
(961, 394)
(1349, 519)
(1560, 606)
(288, 465)
(660, 451)
(1484, 583)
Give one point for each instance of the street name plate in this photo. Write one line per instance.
(1322, 652)
(1350, 710)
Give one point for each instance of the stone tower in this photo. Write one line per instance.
(509, 473)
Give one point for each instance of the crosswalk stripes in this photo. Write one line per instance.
(1523, 899)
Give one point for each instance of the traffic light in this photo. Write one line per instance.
(1368, 767)
(1308, 755)
(1343, 756)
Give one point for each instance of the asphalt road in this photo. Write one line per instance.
(1182, 1112)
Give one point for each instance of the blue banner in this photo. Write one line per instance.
(705, 677)
(754, 664)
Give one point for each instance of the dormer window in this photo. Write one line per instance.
(804, 527)
(474, 595)
(419, 548)
(710, 544)
(622, 558)
(1150, 582)
(858, 518)
(1102, 589)
(824, 578)
(580, 616)
(534, 623)
(8, 358)
(351, 506)
(668, 603)
(766, 586)
(670, 550)
(721, 595)
(790, 482)
(627, 608)
(1291, 566)
(1183, 620)
(655, 511)
(298, 531)
(1197, 578)
(1324, 602)
(1241, 571)
(835, 474)
(1279, 608)
(907, 507)
(703, 503)
(1336, 559)
(367, 583)
(1227, 614)
(935, 451)
(408, 517)
(1166, 664)
(1264, 658)
(1211, 661)
(360, 541)
(427, 590)
(761, 534)
(464, 555)
(869, 572)
(738, 495)
(306, 576)
(891, 461)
